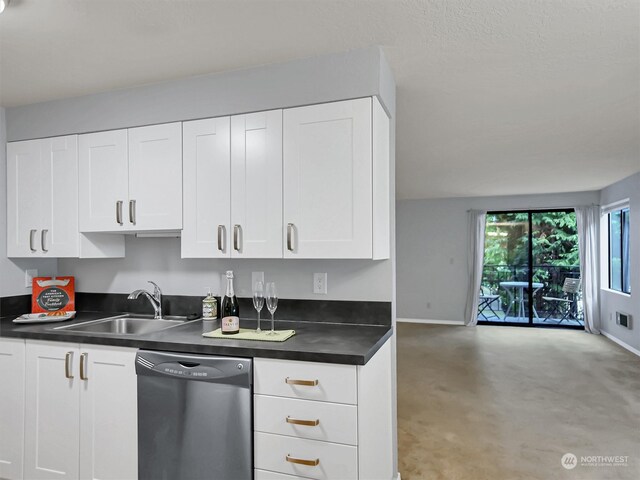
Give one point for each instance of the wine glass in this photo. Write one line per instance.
(258, 300)
(272, 304)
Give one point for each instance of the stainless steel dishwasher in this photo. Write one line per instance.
(194, 417)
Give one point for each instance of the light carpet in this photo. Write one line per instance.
(495, 402)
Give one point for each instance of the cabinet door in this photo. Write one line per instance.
(12, 357)
(52, 405)
(59, 235)
(108, 414)
(256, 185)
(328, 180)
(25, 198)
(103, 175)
(155, 178)
(207, 184)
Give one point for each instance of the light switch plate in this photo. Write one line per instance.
(320, 283)
(28, 277)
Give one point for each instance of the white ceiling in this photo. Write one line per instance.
(495, 97)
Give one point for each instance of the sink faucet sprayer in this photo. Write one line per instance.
(155, 299)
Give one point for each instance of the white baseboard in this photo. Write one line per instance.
(624, 345)
(430, 321)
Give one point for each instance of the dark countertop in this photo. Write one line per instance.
(313, 342)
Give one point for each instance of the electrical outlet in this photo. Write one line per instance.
(255, 278)
(28, 277)
(320, 283)
(428, 304)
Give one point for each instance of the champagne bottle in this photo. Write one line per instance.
(230, 312)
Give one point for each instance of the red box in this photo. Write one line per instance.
(53, 294)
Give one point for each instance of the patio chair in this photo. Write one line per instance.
(566, 305)
(486, 304)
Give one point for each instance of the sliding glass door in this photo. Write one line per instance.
(531, 270)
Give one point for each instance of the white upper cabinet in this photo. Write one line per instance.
(103, 183)
(42, 198)
(233, 187)
(328, 180)
(207, 188)
(24, 198)
(256, 185)
(155, 177)
(42, 202)
(131, 180)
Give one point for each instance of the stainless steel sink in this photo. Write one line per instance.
(125, 325)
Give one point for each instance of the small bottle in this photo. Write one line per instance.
(230, 311)
(209, 306)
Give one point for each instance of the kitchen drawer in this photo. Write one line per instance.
(335, 461)
(336, 422)
(267, 475)
(320, 381)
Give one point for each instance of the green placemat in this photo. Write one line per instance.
(250, 334)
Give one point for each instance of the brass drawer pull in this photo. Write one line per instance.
(304, 383)
(306, 423)
(301, 461)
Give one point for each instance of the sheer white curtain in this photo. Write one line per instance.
(475, 261)
(588, 222)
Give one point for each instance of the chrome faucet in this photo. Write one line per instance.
(155, 299)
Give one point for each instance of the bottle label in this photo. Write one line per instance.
(230, 324)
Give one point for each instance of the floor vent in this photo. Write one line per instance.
(623, 319)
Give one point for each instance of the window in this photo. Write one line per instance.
(619, 271)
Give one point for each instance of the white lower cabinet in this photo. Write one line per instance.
(305, 458)
(12, 353)
(323, 421)
(81, 412)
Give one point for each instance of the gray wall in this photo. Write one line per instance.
(357, 73)
(12, 271)
(158, 259)
(610, 301)
(432, 244)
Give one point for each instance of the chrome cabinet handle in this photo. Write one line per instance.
(290, 227)
(237, 231)
(301, 461)
(222, 235)
(304, 383)
(306, 423)
(43, 235)
(67, 364)
(132, 211)
(32, 233)
(83, 367)
(119, 212)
